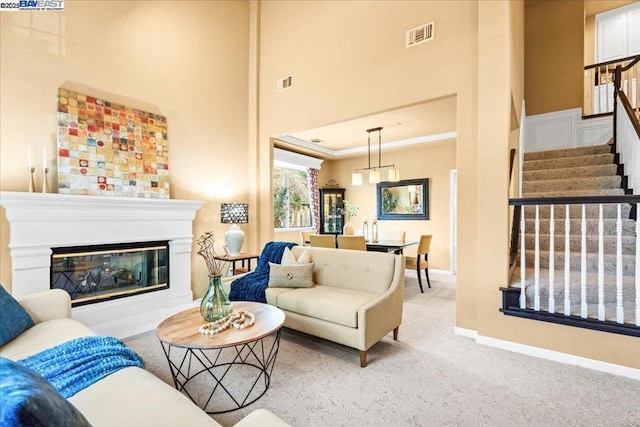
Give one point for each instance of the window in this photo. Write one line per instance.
(291, 198)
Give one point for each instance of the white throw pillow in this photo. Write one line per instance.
(289, 259)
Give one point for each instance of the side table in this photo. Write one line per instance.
(227, 371)
(242, 257)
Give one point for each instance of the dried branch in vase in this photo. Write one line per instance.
(207, 251)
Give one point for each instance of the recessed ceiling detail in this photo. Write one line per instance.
(421, 123)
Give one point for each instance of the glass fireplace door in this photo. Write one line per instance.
(96, 273)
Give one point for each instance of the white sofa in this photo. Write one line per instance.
(128, 397)
(356, 301)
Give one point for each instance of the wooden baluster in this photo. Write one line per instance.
(536, 262)
(583, 266)
(552, 228)
(523, 265)
(619, 307)
(567, 263)
(600, 265)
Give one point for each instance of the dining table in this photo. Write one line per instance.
(394, 246)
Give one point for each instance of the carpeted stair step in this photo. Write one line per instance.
(575, 262)
(576, 193)
(575, 211)
(575, 286)
(571, 184)
(568, 162)
(575, 227)
(568, 152)
(628, 243)
(570, 172)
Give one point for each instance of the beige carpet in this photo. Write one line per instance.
(431, 377)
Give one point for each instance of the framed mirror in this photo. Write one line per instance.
(403, 200)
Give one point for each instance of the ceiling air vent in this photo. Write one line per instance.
(420, 34)
(285, 83)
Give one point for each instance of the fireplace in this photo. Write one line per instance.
(97, 273)
(46, 228)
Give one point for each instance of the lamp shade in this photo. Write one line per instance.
(393, 175)
(234, 213)
(374, 177)
(356, 178)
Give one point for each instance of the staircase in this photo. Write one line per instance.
(577, 172)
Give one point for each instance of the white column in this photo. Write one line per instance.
(552, 228)
(567, 263)
(619, 307)
(523, 265)
(638, 265)
(536, 262)
(583, 266)
(600, 265)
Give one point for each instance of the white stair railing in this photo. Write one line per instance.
(603, 240)
(628, 146)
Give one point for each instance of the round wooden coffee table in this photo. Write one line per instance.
(218, 372)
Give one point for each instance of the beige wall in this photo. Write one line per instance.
(554, 46)
(433, 161)
(343, 70)
(185, 60)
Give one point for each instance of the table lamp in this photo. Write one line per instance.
(234, 214)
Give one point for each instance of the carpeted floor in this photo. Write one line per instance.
(430, 377)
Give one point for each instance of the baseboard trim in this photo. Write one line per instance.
(556, 356)
(443, 272)
(467, 333)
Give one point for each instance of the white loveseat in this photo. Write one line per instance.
(356, 301)
(128, 397)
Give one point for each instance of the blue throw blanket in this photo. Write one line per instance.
(251, 287)
(78, 363)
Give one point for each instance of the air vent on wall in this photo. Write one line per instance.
(285, 83)
(421, 34)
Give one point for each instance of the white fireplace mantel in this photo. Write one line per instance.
(39, 222)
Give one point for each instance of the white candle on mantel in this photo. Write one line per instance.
(44, 157)
(29, 157)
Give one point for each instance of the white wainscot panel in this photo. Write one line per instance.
(552, 131)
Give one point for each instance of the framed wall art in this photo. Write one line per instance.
(109, 149)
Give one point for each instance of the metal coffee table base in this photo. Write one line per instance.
(231, 371)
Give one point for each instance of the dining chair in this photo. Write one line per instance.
(417, 262)
(322, 241)
(304, 237)
(352, 242)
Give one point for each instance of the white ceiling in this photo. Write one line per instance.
(416, 124)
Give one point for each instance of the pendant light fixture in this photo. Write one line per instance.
(374, 171)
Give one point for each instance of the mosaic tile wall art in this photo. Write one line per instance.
(109, 149)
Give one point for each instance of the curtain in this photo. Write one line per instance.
(314, 198)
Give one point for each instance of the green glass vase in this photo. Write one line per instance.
(215, 303)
